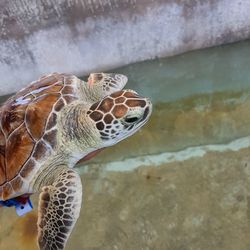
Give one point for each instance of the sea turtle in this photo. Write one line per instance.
(47, 127)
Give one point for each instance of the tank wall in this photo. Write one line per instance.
(79, 37)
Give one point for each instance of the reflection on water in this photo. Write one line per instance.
(183, 181)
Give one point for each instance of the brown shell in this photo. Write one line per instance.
(24, 120)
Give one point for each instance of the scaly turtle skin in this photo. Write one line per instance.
(47, 127)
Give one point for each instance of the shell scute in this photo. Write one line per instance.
(12, 117)
(19, 144)
(1, 193)
(59, 105)
(46, 90)
(2, 169)
(27, 168)
(52, 121)
(16, 183)
(45, 82)
(2, 137)
(7, 190)
(67, 90)
(40, 150)
(50, 137)
(69, 98)
(37, 114)
(2, 157)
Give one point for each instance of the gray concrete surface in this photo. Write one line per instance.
(79, 37)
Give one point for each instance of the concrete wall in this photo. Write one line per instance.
(78, 36)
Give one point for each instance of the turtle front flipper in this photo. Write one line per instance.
(103, 84)
(59, 208)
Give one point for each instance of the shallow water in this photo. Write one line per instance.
(183, 181)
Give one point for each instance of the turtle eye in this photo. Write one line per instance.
(131, 119)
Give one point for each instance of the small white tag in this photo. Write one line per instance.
(22, 209)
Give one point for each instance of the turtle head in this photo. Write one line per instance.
(119, 115)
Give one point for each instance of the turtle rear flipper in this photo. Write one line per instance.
(59, 208)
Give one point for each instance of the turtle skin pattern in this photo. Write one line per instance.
(28, 129)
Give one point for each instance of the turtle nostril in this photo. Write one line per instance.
(131, 119)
